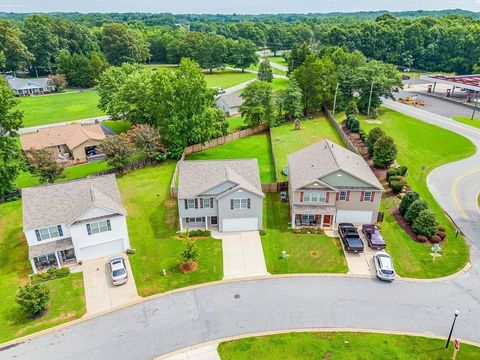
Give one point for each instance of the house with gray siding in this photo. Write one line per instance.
(230, 103)
(225, 195)
(329, 184)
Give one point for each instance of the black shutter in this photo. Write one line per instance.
(89, 231)
(186, 204)
(109, 226)
(248, 203)
(201, 203)
(187, 220)
(60, 232)
(196, 203)
(38, 235)
(211, 203)
(231, 204)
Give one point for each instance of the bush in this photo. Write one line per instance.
(33, 298)
(384, 152)
(422, 238)
(190, 253)
(355, 126)
(397, 186)
(350, 118)
(435, 239)
(373, 136)
(408, 200)
(440, 228)
(402, 170)
(394, 178)
(51, 274)
(352, 108)
(262, 232)
(390, 173)
(442, 234)
(414, 210)
(308, 230)
(195, 233)
(425, 224)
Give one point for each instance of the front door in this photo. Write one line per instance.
(214, 220)
(327, 219)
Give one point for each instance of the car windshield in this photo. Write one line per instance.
(387, 272)
(118, 272)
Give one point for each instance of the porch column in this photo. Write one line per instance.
(180, 220)
(321, 221)
(293, 220)
(206, 222)
(58, 260)
(333, 221)
(34, 268)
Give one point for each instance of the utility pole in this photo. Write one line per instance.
(370, 100)
(475, 106)
(335, 98)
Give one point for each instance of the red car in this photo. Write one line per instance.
(374, 237)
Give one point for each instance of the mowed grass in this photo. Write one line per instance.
(14, 270)
(50, 109)
(307, 253)
(251, 147)
(152, 224)
(227, 78)
(118, 127)
(235, 123)
(279, 84)
(277, 59)
(467, 120)
(341, 345)
(286, 140)
(421, 144)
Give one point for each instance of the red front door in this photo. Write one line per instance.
(327, 219)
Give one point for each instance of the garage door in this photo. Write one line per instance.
(355, 217)
(242, 224)
(106, 249)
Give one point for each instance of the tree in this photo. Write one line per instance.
(374, 134)
(415, 209)
(10, 156)
(59, 81)
(292, 100)
(242, 53)
(407, 200)
(352, 108)
(265, 72)
(425, 224)
(297, 56)
(258, 106)
(384, 152)
(118, 150)
(33, 298)
(277, 37)
(16, 54)
(147, 139)
(43, 164)
(190, 253)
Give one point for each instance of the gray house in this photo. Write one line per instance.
(230, 103)
(22, 87)
(220, 194)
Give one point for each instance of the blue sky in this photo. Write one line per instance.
(231, 6)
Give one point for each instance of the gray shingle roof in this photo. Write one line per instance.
(65, 202)
(323, 158)
(198, 176)
(25, 84)
(233, 99)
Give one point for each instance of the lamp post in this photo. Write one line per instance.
(453, 325)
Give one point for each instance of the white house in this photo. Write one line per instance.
(37, 86)
(230, 103)
(74, 221)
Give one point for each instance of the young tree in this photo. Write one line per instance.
(425, 224)
(190, 254)
(43, 164)
(33, 298)
(374, 134)
(408, 200)
(258, 106)
(384, 152)
(415, 209)
(59, 81)
(118, 150)
(148, 140)
(352, 108)
(265, 72)
(292, 100)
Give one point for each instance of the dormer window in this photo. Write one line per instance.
(49, 232)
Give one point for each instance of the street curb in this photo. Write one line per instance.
(303, 330)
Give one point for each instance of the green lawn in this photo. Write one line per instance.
(419, 145)
(255, 146)
(467, 120)
(274, 70)
(341, 345)
(14, 270)
(308, 253)
(152, 224)
(227, 78)
(118, 127)
(49, 109)
(235, 123)
(286, 140)
(279, 84)
(277, 59)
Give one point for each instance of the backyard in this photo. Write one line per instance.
(340, 345)
(307, 253)
(118, 127)
(14, 271)
(227, 78)
(235, 123)
(152, 224)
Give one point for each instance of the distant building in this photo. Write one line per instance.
(230, 103)
(25, 87)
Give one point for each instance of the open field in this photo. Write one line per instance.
(227, 78)
(279, 84)
(277, 59)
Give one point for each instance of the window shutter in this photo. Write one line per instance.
(248, 203)
(231, 204)
(362, 195)
(201, 203)
(301, 196)
(372, 197)
(211, 203)
(60, 232)
(337, 197)
(186, 204)
(37, 233)
(187, 220)
(89, 231)
(328, 197)
(348, 195)
(109, 226)
(196, 203)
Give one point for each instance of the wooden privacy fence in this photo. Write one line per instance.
(275, 187)
(340, 131)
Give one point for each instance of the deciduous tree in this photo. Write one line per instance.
(43, 164)
(292, 100)
(118, 150)
(258, 107)
(147, 139)
(384, 152)
(265, 72)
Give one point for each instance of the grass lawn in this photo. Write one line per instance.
(467, 120)
(279, 84)
(255, 146)
(274, 70)
(277, 59)
(418, 145)
(49, 109)
(286, 140)
(152, 224)
(14, 270)
(308, 253)
(227, 78)
(341, 345)
(235, 123)
(118, 127)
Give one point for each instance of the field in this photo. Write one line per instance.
(235, 123)
(277, 59)
(227, 78)
(118, 127)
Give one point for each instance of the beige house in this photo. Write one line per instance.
(329, 184)
(73, 143)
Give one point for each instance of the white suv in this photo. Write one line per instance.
(384, 266)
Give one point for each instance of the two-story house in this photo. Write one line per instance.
(74, 221)
(329, 184)
(222, 194)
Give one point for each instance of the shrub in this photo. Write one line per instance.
(442, 234)
(422, 238)
(355, 126)
(408, 200)
(190, 253)
(352, 108)
(414, 210)
(397, 186)
(350, 118)
(373, 136)
(308, 230)
(440, 228)
(390, 173)
(435, 239)
(51, 274)
(425, 224)
(384, 152)
(394, 178)
(262, 232)
(200, 232)
(33, 298)
(402, 170)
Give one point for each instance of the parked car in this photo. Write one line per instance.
(374, 237)
(118, 270)
(350, 237)
(384, 266)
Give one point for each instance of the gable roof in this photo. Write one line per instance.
(71, 135)
(199, 176)
(25, 84)
(232, 100)
(64, 203)
(324, 158)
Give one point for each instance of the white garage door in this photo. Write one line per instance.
(355, 217)
(106, 249)
(242, 224)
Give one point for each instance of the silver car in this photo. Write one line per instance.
(118, 270)
(384, 266)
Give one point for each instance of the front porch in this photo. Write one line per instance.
(203, 223)
(317, 216)
(58, 254)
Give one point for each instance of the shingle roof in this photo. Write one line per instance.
(71, 135)
(323, 158)
(198, 176)
(233, 99)
(65, 202)
(24, 84)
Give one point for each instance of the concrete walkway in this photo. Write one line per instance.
(206, 352)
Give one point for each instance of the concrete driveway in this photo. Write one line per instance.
(100, 294)
(242, 254)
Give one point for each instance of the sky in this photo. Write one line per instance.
(231, 6)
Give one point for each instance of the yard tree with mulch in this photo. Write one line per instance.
(425, 224)
(43, 164)
(118, 150)
(415, 209)
(373, 136)
(33, 298)
(407, 200)
(384, 152)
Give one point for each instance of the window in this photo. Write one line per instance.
(49, 232)
(315, 197)
(206, 202)
(240, 203)
(306, 197)
(98, 227)
(195, 220)
(191, 204)
(343, 195)
(308, 217)
(367, 196)
(323, 197)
